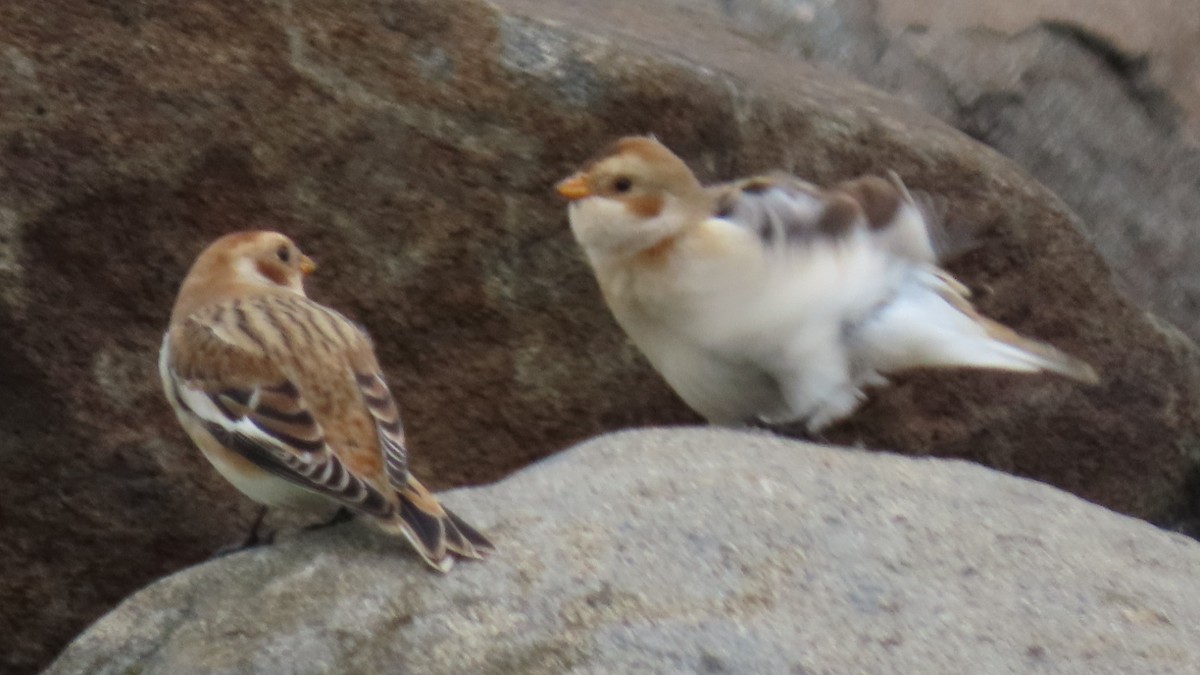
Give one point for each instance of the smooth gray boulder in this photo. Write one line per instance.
(696, 550)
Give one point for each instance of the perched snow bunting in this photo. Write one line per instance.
(285, 397)
(770, 298)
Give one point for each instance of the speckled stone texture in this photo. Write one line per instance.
(697, 551)
(410, 146)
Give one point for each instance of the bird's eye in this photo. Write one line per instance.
(284, 253)
(622, 184)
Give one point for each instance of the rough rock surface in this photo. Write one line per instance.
(697, 551)
(410, 145)
(1160, 40)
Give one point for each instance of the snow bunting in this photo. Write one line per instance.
(771, 299)
(285, 398)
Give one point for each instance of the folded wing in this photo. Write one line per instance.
(241, 396)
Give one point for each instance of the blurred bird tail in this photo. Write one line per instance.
(437, 534)
(931, 323)
(1015, 352)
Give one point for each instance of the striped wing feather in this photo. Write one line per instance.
(418, 508)
(382, 407)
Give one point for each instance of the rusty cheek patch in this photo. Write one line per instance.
(645, 206)
(272, 272)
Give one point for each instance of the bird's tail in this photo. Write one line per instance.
(1016, 352)
(932, 324)
(437, 534)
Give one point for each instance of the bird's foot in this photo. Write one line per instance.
(251, 540)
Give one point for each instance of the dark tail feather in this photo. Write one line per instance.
(435, 533)
(475, 541)
(419, 519)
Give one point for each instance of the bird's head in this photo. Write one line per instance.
(256, 259)
(246, 261)
(631, 197)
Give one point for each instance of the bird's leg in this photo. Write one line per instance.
(251, 539)
(342, 515)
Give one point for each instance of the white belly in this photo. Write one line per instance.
(722, 390)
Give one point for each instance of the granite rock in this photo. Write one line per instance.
(696, 551)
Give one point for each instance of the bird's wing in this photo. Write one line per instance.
(386, 415)
(786, 211)
(430, 527)
(238, 369)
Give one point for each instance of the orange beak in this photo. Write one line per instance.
(307, 266)
(573, 188)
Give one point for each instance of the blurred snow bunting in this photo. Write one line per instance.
(769, 298)
(285, 398)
